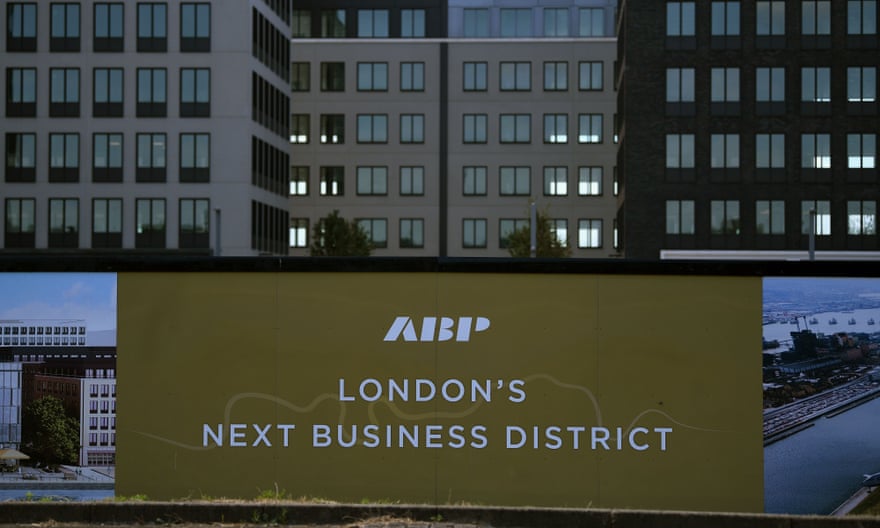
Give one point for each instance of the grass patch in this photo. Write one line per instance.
(869, 506)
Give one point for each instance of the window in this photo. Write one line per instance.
(473, 233)
(63, 158)
(372, 23)
(63, 223)
(107, 223)
(516, 128)
(107, 92)
(816, 214)
(861, 151)
(108, 26)
(299, 233)
(861, 217)
(21, 26)
(725, 151)
(372, 128)
(372, 76)
(195, 216)
(152, 32)
(332, 128)
(412, 233)
(516, 22)
(559, 230)
(724, 96)
(589, 181)
(476, 23)
(332, 181)
(516, 76)
(770, 91)
(679, 151)
(816, 85)
(152, 94)
(300, 76)
(724, 217)
(725, 18)
(590, 76)
(555, 22)
(680, 19)
(507, 227)
(555, 76)
(149, 223)
(195, 92)
(475, 76)
(816, 17)
(372, 181)
(475, 128)
(332, 76)
(590, 128)
(107, 158)
(474, 181)
(299, 181)
(20, 223)
(412, 23)
(151, 149)
(770, 217)
(65, 27)
(21, 152)
(555, 128)
(64, 92)
(412, 181)
(555, 181)
(412, 76)
(21, 92)
(816, 151)
(333, 23)
(376, 230)
(770, 17)
(770, 151)
(590, 233)
(592, 22)
(195, 158)
(299, 128)
(195, 26)
(680, 91)
(861, 84)
(861, 17)
(412, 128)
(515, 181)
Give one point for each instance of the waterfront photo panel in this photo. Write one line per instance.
(511, 389)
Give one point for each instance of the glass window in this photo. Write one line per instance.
(516, 128)
(412, 23)
(590, 76)
(412, 76)
(412, 232)
(589, 181)
(476, 23)
(152, 96)
(555, 22)
(299, 181)
(64, 92)
(770, 84)
(412, 181)
(592, 22)
(195, 92)
(590, 128)
(474, 181)
(555, 181)
(151, 158)
(21, 157)
(724, 217)
(63, 157)
(195, 158)
(372, 23)
(299, 233)
(516, 76)
(108, 26)
(107, 223)
(861, 151)
(555, 76)
(152, 26)
(590, 233)
(332, 181)
(473, 233)
(21, 26)
(372, 181)
(332, 76)
(300, 77)
(816, 17)
(559, 230)
(372, 128)
(195, 217)
(679, 85)
(195, 26)
(725, 85)
(149, 223)
(300, 125)
(516, 22)
(770, 217)
(770, 151)
(555, 128)
(680, 19)
(412, 128)
(107, 92)
(816, 85)
(515, 181)
(679, 151)
(20, 223)
(63, 223)
(65, 27)
(376, 230)
(475, 76)
(816, 151)
(508, 226)
(333, 23)
(861, 17)
(372, 76)
(474, 128)
(816, 213)
(861, 217)
(770, 17)
(332, 129)
(21, 92)
(107, 157)
(861, 84)
(725, 18)
(725, 151)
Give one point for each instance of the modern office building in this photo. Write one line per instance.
(435, 124)
(748, 128)
(145, 126)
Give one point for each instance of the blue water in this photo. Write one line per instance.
(814, 471)
(59, 495)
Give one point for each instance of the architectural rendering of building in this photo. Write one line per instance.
(147, 126)
(748, 128)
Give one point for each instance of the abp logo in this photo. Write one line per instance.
(433, 330)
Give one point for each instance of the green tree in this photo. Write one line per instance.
(519, 243)
(334, 236)
(48, 433)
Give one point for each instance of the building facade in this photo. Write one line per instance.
(748, 128)
(148, 126)
(434, 125)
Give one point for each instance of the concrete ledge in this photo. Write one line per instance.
(296, 513)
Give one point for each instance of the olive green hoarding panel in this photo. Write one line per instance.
(567, 390)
